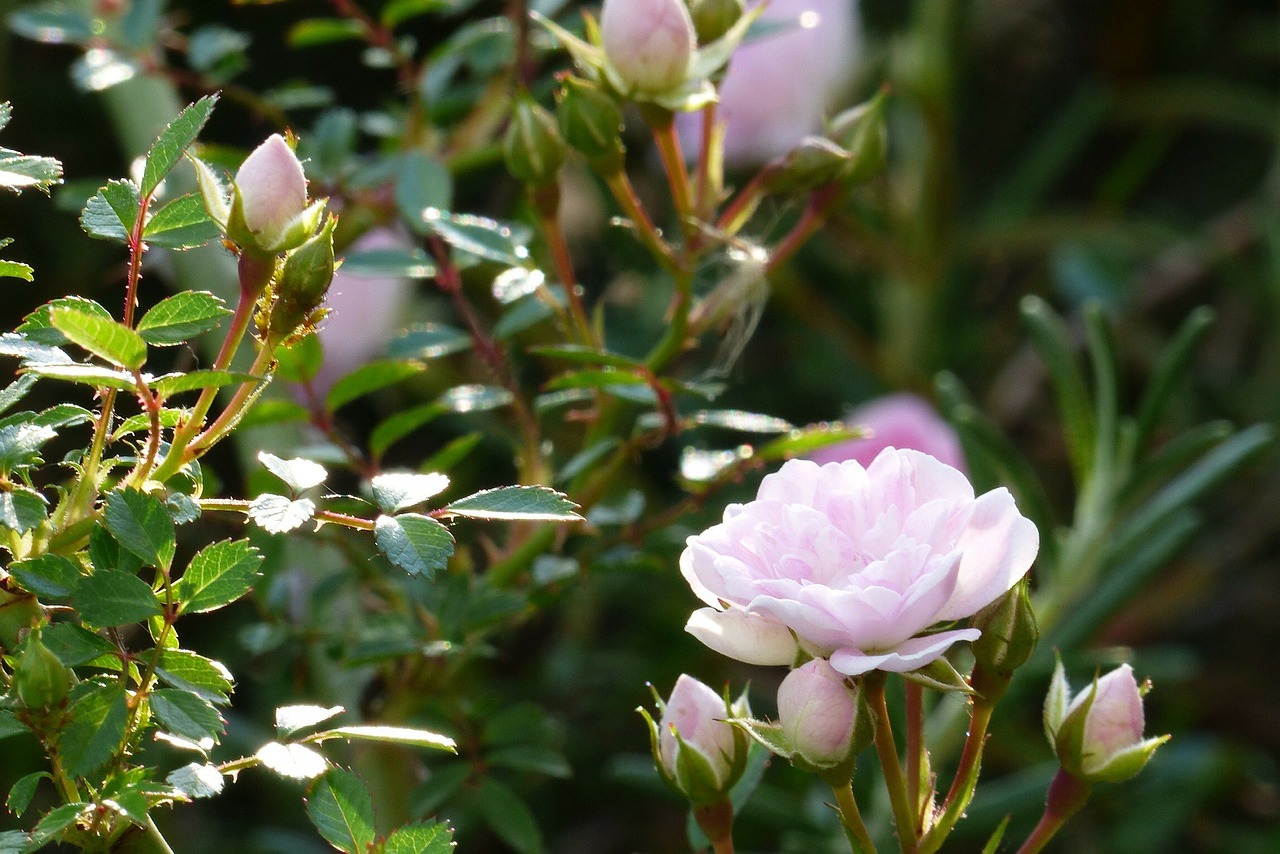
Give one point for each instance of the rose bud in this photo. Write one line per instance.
(714, 18)
(532, 147)
(821, 718)
(649, 43)
(697, 753)
(268, 211)
(1098, 734)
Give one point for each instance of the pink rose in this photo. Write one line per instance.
(272, 187)
(648, 42)
(897, 421)
(855, 564)
(779, 87)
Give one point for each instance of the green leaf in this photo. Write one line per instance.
(54, 822)
(341, 808)
(1171, 368)
(424, 189)
(15, 392)
(388, 263)
(389, 734)
(428, 341)
(526, 313)
(186, 714)
(17, 270)
(279, 514)
(22, 171)
(317, 31)
(433, 838)
(291, 719)
(367, 379)
(605, 378)
(142, 525)
(111, 598)
(105, 552)
(1051, 340)
(398, 11)
(299, 474)
(452, 453)
(181, 317)
(10, 725)
(744, 422)
(22, 509)
(400, 425)
(91, 375)
(112, 211)
(218, 575)
(183, 669)
(181, 224)
(474, 398)
(516, 502)
(20, 445)
(106, 339)
(807, 440)
(171, 384)
(75, 646)
(197, 780)
(398, 491)
(23, 791)
(174, 140)
(417, 544)
(98, 713)
(300, 362)
(296, 761)
(56, 417)
(509, 817)
(48, 576)
(587, 356)
(478, 236)
(37, 327)
(53, 23)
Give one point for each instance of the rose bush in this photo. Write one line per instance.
(855, 564)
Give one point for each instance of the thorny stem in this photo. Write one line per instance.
(233, 505)
(854, 826)
(235, 407)
(887, 751)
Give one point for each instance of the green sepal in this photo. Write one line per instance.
(939, 675)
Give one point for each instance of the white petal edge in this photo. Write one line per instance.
(742, 636)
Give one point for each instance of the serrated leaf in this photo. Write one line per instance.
(17, 270)
(49, 576)
(197, 780)
(169, 146)
(23, 791)
(417, 544)
(23, 171)
(97, 720)
(340, 807)
(142, 525)
(218, 575)
(478, 236)
(22, 509)
(292, 760)
(37, 327)
(111, 598)
(111, 212)
(106, 339)
(91, 375)
(433, 838)
(20, 444)
(400, 425)
(75, 645)
(423, 188)
(171, 384)
(367, 379)
(290, 719)
(183, 669)
(299, 474)
(186, 714)
(516, 502)
(181, 224)
(181, 317)
(15, 392)
(428, 341)
(398, 491)
(54, 822)
(509, 817)
(279, 514)
(391, 734)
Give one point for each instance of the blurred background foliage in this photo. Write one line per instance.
(1123, 152)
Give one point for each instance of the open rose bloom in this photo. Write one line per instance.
(856, 564)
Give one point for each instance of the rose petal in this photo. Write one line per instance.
(743, 636)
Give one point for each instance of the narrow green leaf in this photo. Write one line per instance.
(22, 171)
(516, 502)
(745, 422)
(477, 236)
(391, 734)
(474, 398)
(604, 378)
(181, 317)
(808, 439)
(90, 375)
(587, 356)
(110, 598)
(428, 341)
(400, 425)
(92, 736)
(341, 808)
(1050, 338)
(1106, 384)
(367, 379)
(112, 211)
(417, 544)
(181, 224)
(106, 339)
(1170, 370)
(509, 817)
(169, 146)
(291, 719)
(171, 384)
(318, 31)
(186, 714)
(141, 524)
(218, 575)
(433, 838)
(398, 11)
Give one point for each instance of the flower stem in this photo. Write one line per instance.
(814, 217)
(563, 261)
(716, 821)
(854, 827)
(917, 756)
(1066, 796)
(665, 135)
(887, 751)
(625, 194)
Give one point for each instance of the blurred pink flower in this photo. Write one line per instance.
(855, 563)
(779, 87)
(648, 42)
(897, 421)
(364, 311)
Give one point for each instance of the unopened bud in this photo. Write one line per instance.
(40, 680)
(812, 163)
(591, 122)
(649, 43)
(268, 212)
(713, 18)
(824, 720)
(304, 279)
(1009, 631)
(696, 752)
(532, 147)
(861, 132)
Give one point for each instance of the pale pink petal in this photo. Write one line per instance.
(743, 636)
(999, 547)
(909, 655)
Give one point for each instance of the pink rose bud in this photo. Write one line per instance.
(272, 187)
(697, 753)
(1098, 735)
(897, 421)
(779, 87)
(818, 713)
(649, 43)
